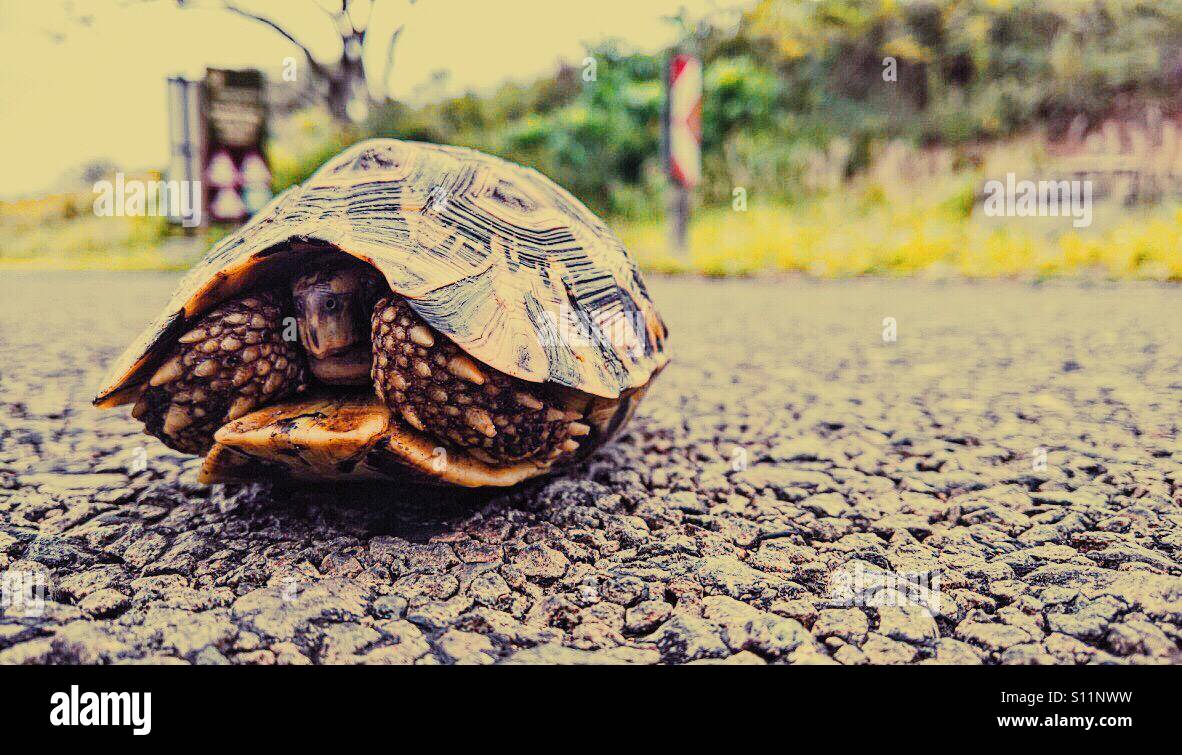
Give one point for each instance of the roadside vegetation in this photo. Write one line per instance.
(843, 168)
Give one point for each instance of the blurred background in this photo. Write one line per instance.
(837, 137)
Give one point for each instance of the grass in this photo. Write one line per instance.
(842, 236)
(60, 232)
(848, 233)
(89, 244)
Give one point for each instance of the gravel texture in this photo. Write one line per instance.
(786, 472)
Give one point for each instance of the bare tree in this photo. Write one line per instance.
(348, 91)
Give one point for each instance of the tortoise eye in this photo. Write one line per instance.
(331, 303)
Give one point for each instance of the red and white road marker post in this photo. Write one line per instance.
(683, 140)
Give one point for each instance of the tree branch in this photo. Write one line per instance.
(316, 66)
(390, 61)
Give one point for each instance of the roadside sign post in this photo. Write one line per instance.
(683, 138)
(184, 140)
(235, 167)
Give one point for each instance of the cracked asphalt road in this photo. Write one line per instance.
(785, 446)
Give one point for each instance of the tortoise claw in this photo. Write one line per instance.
(241, 406)
(170, 371)
(177, 419)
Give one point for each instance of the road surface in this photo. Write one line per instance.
(843, 472)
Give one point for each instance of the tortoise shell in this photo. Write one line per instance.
(503, 261)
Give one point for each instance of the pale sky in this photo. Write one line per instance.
(73, 91)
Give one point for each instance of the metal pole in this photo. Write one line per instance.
(683, 102)
(679, 211)
(187, 147)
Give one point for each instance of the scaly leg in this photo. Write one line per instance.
(433, 385)
(232, 361)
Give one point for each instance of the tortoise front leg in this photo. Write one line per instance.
(438, 389)
(232, 361)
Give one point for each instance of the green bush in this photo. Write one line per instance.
(789, 81)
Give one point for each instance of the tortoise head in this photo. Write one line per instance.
(333, 304)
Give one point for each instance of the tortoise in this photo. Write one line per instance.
(412, 311)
